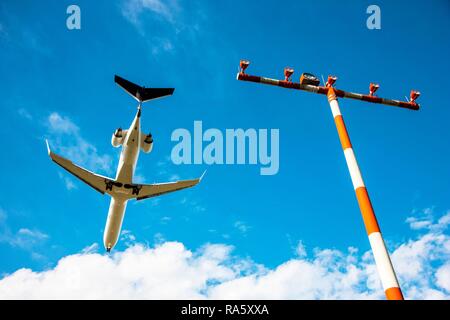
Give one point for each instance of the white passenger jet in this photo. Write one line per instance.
(121, 189)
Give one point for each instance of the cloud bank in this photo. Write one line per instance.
(171, 271)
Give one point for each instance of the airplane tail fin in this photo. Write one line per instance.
(142, 94)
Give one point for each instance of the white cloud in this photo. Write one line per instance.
(68, 182)
(443, 277)
(194, 205)
(159, 238)
(29, 240)
(59, 124)
(168, 271)
(127, 237)
(444, 221)
(35, 234)
(24, 113)
(416, 224)
(171, 271)
(161, 45)
(24, 238)
(72, 145)
(425, 220)
(242, 227)
(175, 24)
(165, 220)
(422, 219)
(300, 249)
(133, 9)
(38, 257)
(93, 248)
(414, 262)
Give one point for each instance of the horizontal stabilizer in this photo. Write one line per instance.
(142, 94)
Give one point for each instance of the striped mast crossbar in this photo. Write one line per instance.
(412, 105)
(381, 256)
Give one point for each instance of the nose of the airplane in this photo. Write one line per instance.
(109, 240)
(108, 245)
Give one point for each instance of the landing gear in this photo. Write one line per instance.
(109, 184)
(136, 190)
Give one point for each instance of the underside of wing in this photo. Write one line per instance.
(157, 189)
(100, 183)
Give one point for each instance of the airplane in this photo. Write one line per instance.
(122, 189)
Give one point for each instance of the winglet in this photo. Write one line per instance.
(48, 147)
(201, 177)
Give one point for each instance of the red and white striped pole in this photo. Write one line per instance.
(380, 253)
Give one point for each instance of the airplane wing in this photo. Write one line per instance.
(157, 189)
(96, 181)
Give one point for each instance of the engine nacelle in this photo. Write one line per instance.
(117, 138)
(147, 143)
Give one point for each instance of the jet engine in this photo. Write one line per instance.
(117, 137)
(147, 143)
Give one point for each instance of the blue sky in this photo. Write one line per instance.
(58, 84)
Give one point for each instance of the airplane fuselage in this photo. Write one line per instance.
(125, 171)
(122, 189)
